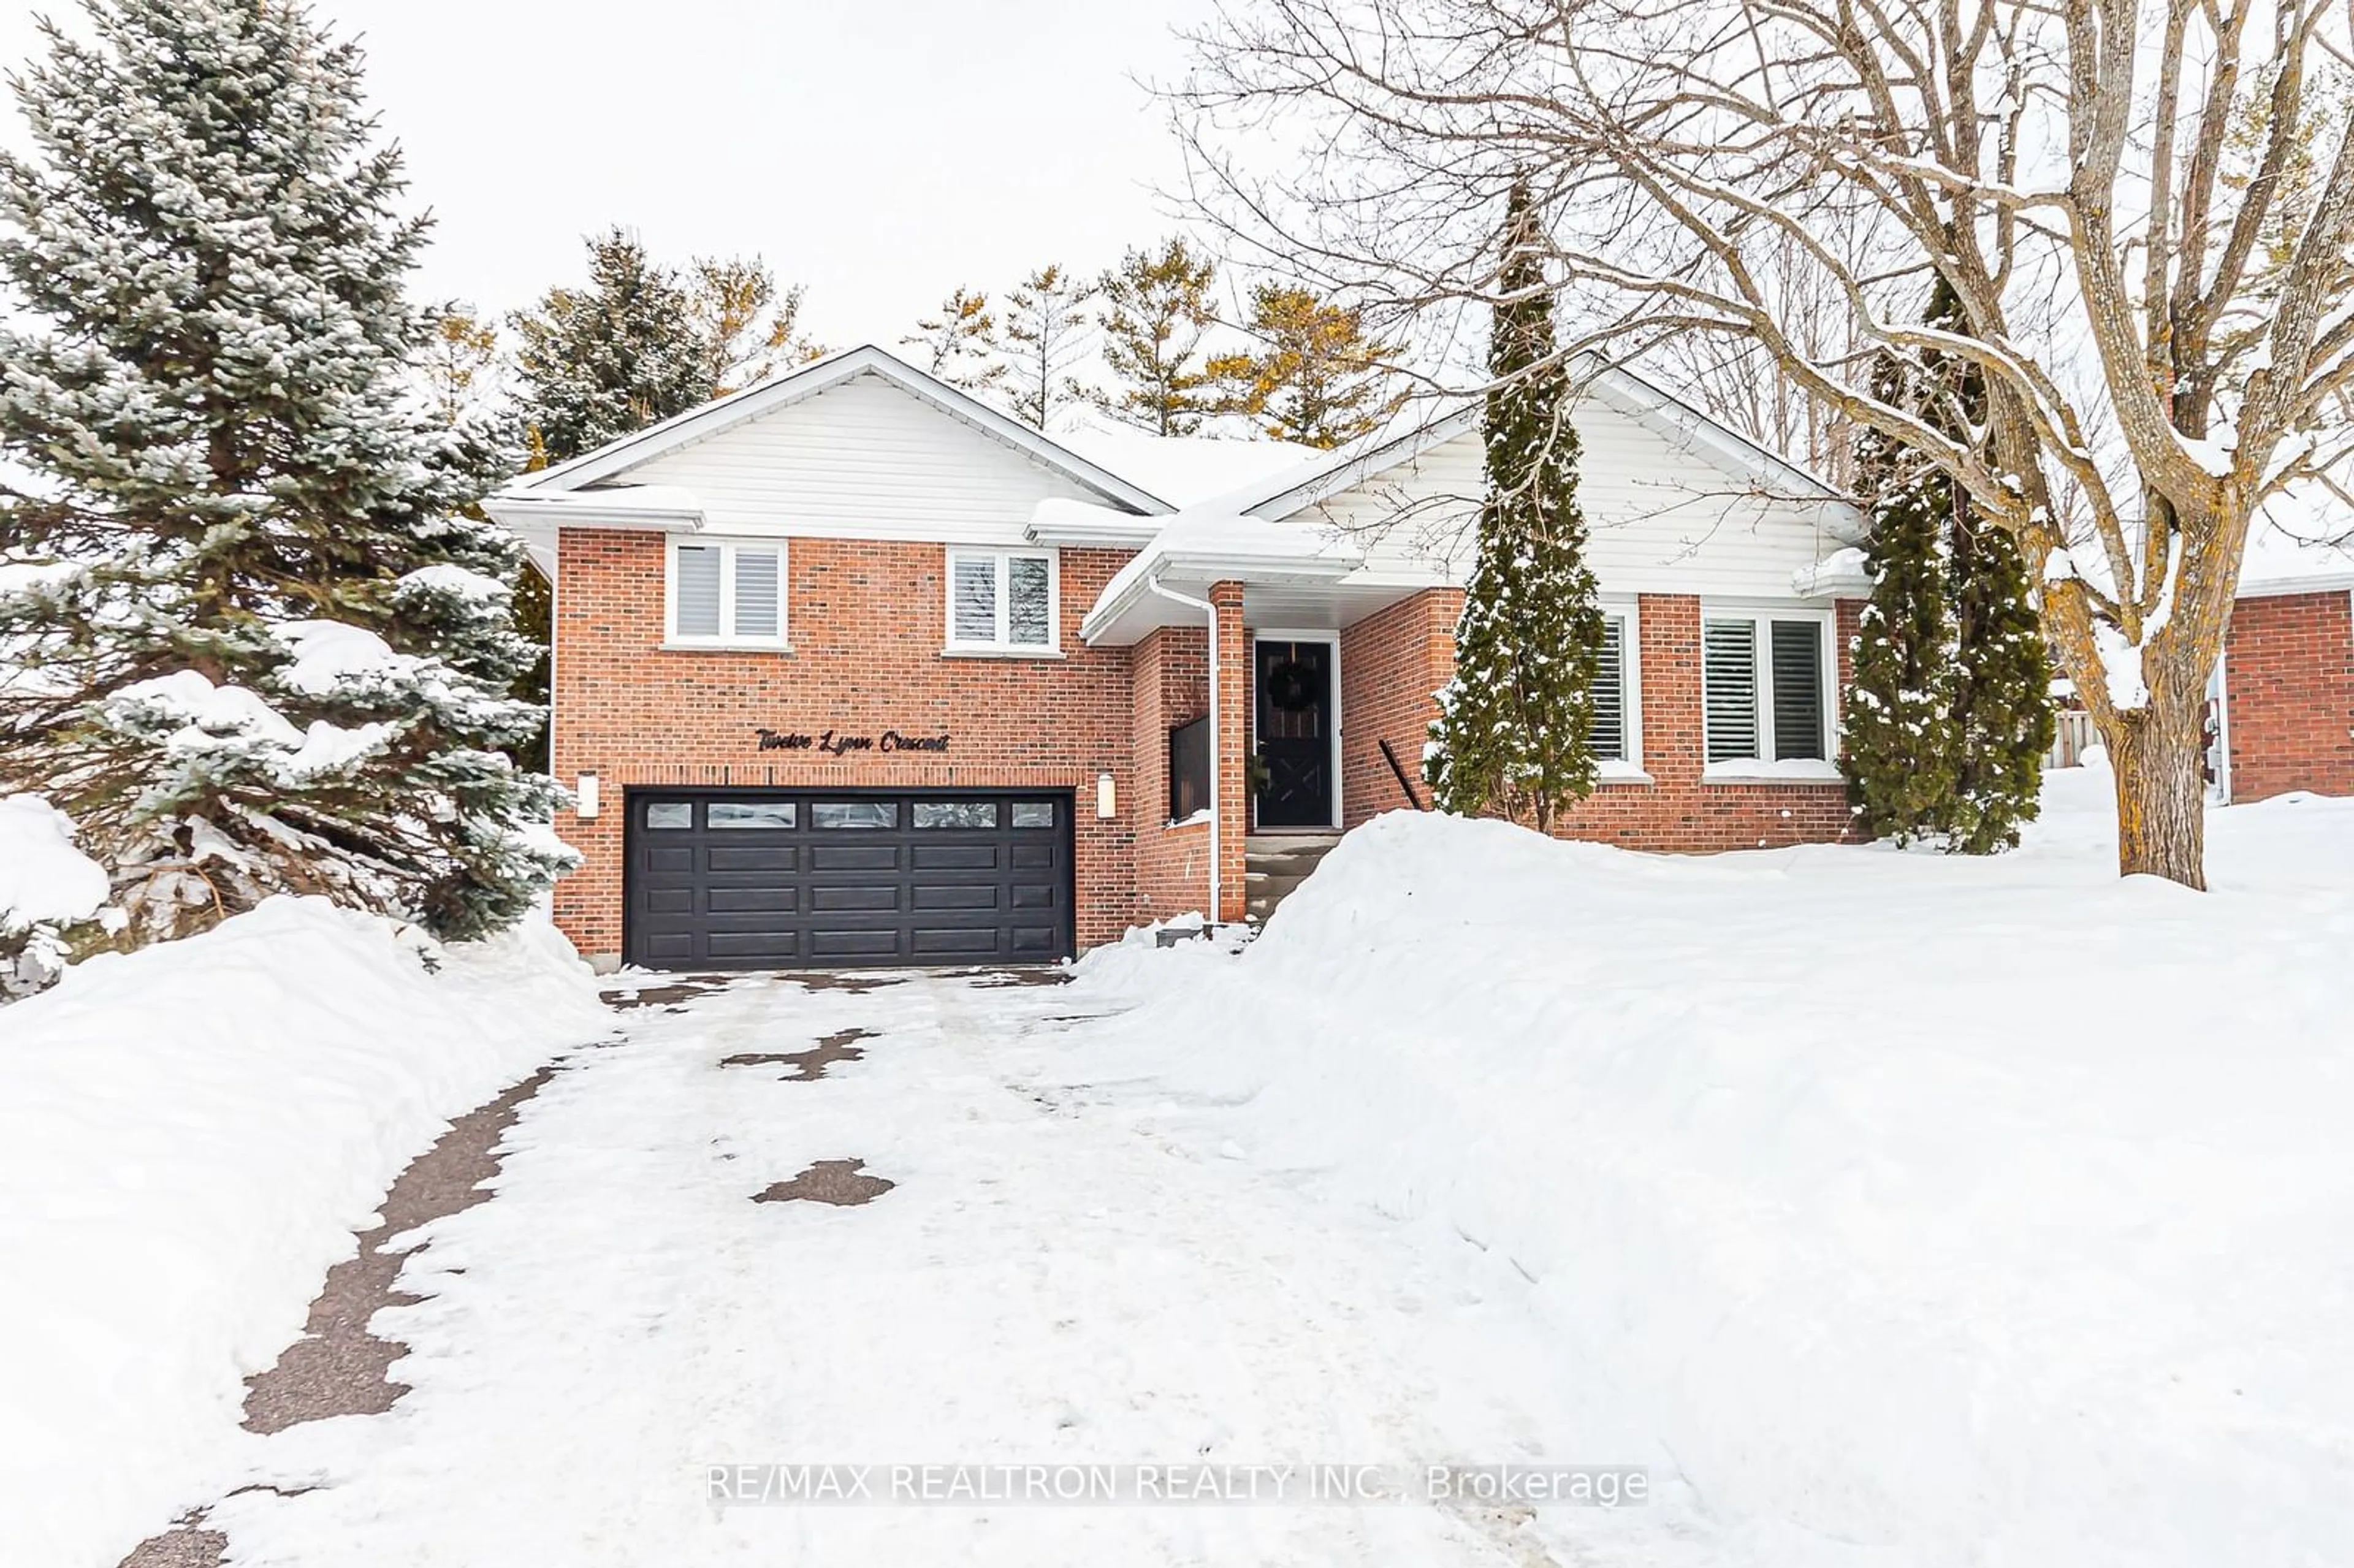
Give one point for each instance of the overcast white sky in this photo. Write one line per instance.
(879, 153)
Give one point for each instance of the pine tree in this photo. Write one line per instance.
(461, 351)
(750, 327)
(1157, 308)
(1900, 749)
(266, 653)
(1514, 734)
(1046, 334)
(959, 343)
(1318, 377)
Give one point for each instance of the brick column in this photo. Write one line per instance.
(1233, 676)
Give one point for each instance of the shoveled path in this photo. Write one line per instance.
(788, 1222)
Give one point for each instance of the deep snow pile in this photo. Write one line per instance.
(1939, 1211)
(45, 884)
(188, 1137)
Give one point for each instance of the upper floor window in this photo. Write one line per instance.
(726, 593)
(1767, 688)
(1003, 602)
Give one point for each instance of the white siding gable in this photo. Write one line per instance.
(1664, 517)
(863, 460)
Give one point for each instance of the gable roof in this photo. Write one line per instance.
(1639, 398)
(626, 452)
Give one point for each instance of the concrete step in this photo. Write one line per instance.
(1275, 864)
(1289, 843)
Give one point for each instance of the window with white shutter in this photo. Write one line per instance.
(1729, 688)
(1003, 602)
(1766, 687)
(694, 574)
(727, 593)
(1608, 736)
(1798, 691)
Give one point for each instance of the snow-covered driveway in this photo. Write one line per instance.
(1047, 1280)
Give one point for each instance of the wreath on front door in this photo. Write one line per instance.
(1291, 687)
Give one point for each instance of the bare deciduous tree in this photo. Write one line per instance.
(2145, 207)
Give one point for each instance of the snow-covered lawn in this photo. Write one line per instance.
(188, 1137)
(1907, 1211)
(1889, 1210)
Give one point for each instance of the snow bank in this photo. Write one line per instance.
(46, 883)
(43, 879)
(1929, 1212)
(188, 1137)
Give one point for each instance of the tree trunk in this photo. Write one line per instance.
(2160, 755)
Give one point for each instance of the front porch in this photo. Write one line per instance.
(1260, 741)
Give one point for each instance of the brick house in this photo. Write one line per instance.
(2288, 679)
(850, 668)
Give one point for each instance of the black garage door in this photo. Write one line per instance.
(784, 879)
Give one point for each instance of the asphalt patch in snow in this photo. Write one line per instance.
(338, 1367)
(686, 988)
(836, 1182)
(810, 1065)
(851, 983)
(991, 980)
(188, 1544)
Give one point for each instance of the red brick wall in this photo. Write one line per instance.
(866, 621)
(1170, 674)
(1232, 743)
(2288, 676)
(1391, 662)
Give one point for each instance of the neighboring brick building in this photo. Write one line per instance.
(2288, 688)
(852, 669)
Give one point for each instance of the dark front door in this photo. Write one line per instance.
(791, 879)
(1295, 733)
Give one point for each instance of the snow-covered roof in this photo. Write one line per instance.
(1197, 548)
(1287, 491)
(663, 508)
(1187, 471)
(1841, 574)
(2303, 544)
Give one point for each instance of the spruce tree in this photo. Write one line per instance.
(1514, 733)
(1156, 309)
(265, 651)
(626, 350)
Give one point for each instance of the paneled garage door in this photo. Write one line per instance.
(776, 879)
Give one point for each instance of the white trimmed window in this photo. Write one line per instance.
(726, 593)
(1003, 601)
(1617, 733)
(1766, 686)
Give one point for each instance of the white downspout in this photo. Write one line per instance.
(1217, 764)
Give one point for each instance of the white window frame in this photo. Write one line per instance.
(1629, 768)
(1762, 618)
(674, 638)
(1000, 645)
